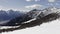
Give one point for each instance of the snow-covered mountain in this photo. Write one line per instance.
(47, 12)
(35, 12)
(45, 15)
(10, 14)
(32, 15)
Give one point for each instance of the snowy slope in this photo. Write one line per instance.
(52, 27)
(44, 12)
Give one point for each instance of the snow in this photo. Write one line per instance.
(30, 20)
(50, 10)
(52, 27)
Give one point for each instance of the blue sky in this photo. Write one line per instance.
(27, 4)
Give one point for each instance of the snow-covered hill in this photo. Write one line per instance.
(52, 27)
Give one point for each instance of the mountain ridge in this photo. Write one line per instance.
(38, 14)
(7, 15)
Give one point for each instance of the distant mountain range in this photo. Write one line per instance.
(18, 17)
(10, 14)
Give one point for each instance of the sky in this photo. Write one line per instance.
(27, 4)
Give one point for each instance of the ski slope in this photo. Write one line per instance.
(52, 27)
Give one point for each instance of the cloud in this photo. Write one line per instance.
(28, 0)
(37, 0)
(35, 6)
(53, 4)
(51, 0)
(7, 8)
(32, 0)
